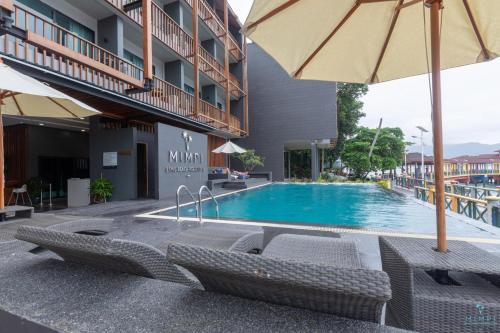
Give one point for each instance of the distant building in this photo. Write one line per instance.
(460, 165)
(484, 163)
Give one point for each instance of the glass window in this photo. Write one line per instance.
(38, 6)
(188, 89)
(78, 29)
(133, 58)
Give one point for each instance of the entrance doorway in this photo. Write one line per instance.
(142, 170)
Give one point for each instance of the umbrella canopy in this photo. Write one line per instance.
(370, 41)
(229, 148)
(25, 96)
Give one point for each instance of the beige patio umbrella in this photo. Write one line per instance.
(370, 41)
(22, 95)
(229, 148)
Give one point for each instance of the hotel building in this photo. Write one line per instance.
(169, 76)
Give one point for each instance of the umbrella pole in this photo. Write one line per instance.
(437, 126)
(2, 180)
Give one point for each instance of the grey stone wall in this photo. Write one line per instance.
(282, 110)
(124, 176)
(110, 34)
(176, 164)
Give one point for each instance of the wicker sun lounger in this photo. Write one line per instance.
(138, 258)
(116, 254)
(328, 279)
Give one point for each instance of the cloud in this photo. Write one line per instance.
(471, 97)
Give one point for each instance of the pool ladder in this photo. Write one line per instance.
(198, 204)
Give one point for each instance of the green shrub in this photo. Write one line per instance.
(250, 160)
(101, 190)
(384, 184)
(34, 187)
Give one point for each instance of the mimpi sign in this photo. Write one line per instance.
(185, 161)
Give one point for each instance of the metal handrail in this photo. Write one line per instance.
(200, 192)
(178, 200)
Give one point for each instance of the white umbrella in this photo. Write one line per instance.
(22, 95)
(229, 148)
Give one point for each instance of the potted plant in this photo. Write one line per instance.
(101, 189)
(34, 188)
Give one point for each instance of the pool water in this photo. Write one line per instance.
(349, 205)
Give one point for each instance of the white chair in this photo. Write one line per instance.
(21, 191)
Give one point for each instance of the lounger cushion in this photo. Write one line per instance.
(220, 237)
(314, 249)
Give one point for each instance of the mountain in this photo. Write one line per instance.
(459, 149)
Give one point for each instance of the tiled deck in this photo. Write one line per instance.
(71, 298)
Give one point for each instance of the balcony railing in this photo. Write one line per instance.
(234, 87)
(170, 33)
(210, 66)
(234, 48)
(45, 34)
(212, 20)
(52, 47)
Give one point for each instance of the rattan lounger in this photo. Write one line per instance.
(134, 257)
(116, 254)
(329, 278)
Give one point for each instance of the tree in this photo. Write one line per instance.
(250, 159)
(349, 112)
(387, 153)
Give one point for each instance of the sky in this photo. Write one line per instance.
(471, 98)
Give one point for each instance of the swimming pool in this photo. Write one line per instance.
(345, 205)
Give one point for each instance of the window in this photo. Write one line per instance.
(188, 89)
(60, 19)
(219, 106)
(69, 24)
(38, 6)
(133, 58)
(136, 60)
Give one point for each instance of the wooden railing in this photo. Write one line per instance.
(235, 124)
(234, 48)
(208, 15)
(235, 87)
(212, 115)
(168, 97)
(45, 34)
(61, 51)
(210, 66)
(472, 208)
(169, 32)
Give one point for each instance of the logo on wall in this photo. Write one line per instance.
(187, 139)
(185, 161)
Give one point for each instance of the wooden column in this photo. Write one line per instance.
(196, 59)
(2, 161)
(147, 38)
(245, 82)
(7, 4)
(226, 63)
(437, 123)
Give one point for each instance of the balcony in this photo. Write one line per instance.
(171, 34)
(52, 47)
(212, 20)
